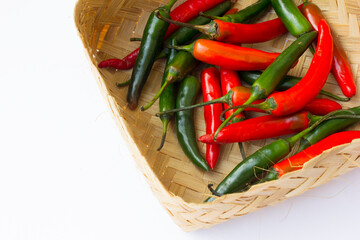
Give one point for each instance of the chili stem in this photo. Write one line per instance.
(135, 39)
(242, 150)
(201, 28)
(219, 100)
(207, 16)
(312, 49)
(187, 48)
(259, 106)
(123, 84)
(163, 87)
(210, 187)
(163, 136)
(336, 97)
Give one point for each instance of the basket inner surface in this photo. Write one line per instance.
(106, 27)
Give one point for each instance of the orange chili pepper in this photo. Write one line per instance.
(229, 56)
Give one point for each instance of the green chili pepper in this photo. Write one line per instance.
(292, 17)
(167, 100)
(271, 77)
(151, 43)
(286, 83)
(187, 95)
(327, 128)
(257, 163)
(183, 35)
(255, 10)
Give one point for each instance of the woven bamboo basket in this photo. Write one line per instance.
(105, 27)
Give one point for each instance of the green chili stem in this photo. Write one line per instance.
(242, 150)
(243, 107)
(135, 39)
(210, 187)
(336, 97)
(123, 84)
(207, 16)
(163, 136)
(201, 28)
(163, 87)
(188, 48)
(312, 49)
(219, 100)
(314, 118)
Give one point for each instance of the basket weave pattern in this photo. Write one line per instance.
(105, 27)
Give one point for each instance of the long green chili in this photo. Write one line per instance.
(150, 47)
(167, 100)
(189, 89)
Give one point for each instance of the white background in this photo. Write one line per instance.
(65, 172)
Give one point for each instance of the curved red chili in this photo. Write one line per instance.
(126, 63)
(297, 161)
(210, 83)
(296, 98)
(229, 80)
(341, 68)
(261, 128)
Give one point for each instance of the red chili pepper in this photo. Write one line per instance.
(229, 56)
(210, 83)
(297, 97)
(261, 128)
(249, 33)
(126, 63)
(297, 161)
(237, 33)
(341, 68)
(183, 13)
(322, 106)
(229, 80)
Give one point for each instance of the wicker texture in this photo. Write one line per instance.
(105, 27)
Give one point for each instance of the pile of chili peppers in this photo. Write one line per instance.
(213, 33)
